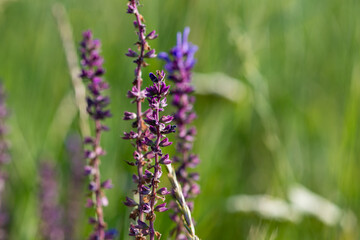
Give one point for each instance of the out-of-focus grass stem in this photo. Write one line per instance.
(65, 31)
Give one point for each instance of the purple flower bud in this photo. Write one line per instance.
(92, 186)
(152, 35)
(131, 9)
(131, 53)
(88, 170)
(169, 129)
(104, 128)
(153, 129)
(133, 93)
(148, 174)
(163, 89)
(133, 231)
(88, 140)
(89, 203)
(153, 77)
(107, 184)
(163, 103)
(166, 119)
(129, 116)
(136, 25)
(195, 189)
(161, 208)
(150, 54)
(165, 143)
(135, 178)
(149, 155)
(193, 161)
(99, 151)
(137, 155)
(145, 190)
(90, 154)
(130, 135)
(165, 159)
(163, 191)
(130, 202)
(194, 176)
(151, 122)
(146, 208)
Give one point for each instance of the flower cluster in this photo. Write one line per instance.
(51, 214)
(93, 71)
(179, 63)
(153, 140)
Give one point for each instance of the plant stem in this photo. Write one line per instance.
(98, 195)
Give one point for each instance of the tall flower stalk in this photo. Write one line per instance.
(151, 159)
(143, 51)
(92, 71)
(179, 63)
(51, 227)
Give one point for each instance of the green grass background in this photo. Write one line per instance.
(298, 122)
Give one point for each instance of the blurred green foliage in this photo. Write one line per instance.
(296, 124)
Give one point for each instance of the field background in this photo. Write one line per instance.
(288, 115)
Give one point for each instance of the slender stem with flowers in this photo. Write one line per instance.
(144, 51)
(93, 71)
(154, 140)
(157, 101)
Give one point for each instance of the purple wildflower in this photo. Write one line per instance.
(4, 159)
(51, 213)
(151, 157)
(179, 63)
(143, 136)
(156, 97)
(92, 71)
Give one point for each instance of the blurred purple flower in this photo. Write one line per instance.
(179, 63)
(4, 159)
(51, 226)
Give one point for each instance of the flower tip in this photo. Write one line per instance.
(87, 34)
